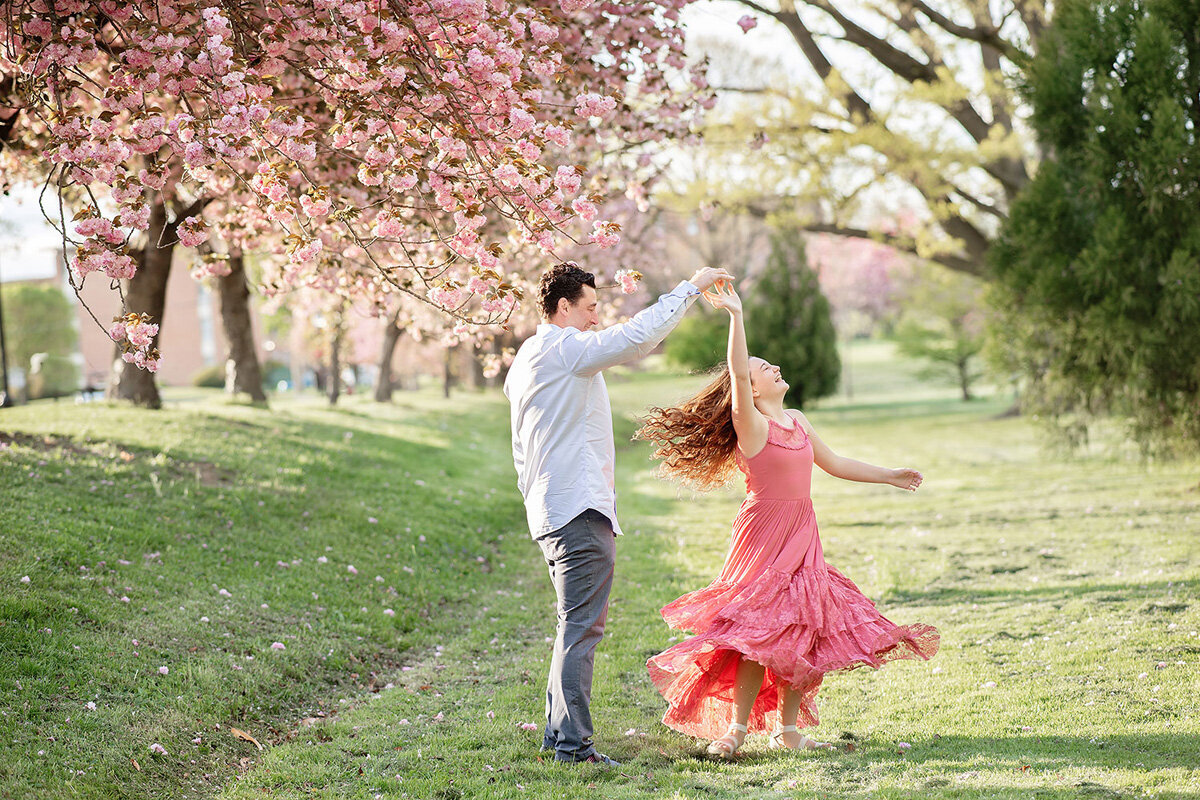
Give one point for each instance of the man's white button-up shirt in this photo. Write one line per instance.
(562, 433)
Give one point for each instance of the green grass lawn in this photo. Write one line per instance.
(1067, 591)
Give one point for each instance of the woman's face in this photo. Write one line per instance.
(766, 380)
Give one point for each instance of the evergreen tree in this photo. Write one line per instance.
(1098, 267)
(699, 341)
(788, 322)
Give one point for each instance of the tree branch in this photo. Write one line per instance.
(902, 243)
(856, 105)
(905, 67)
(971, 264)
(984, 34)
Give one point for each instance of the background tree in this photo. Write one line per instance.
(361, 132)
(788, 322)
(698, 342)
(865, 281)
(1098, 270)
(943, 325)
(876, 108)
(40, 320)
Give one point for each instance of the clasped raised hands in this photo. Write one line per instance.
(723, 295)
(704, 279)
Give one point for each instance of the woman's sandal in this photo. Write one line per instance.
(728, 744)
(805, 742)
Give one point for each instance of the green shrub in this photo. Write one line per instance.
(212, 377)
(52, 376)
(699, 341)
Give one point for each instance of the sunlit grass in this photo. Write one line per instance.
(1066, 591)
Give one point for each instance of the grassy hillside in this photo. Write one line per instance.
(1067, 591)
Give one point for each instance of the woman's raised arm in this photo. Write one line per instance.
(748, 423)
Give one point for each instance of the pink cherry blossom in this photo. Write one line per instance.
(337, 139)
(628, 280)
(747, 23)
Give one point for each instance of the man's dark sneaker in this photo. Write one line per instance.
(600, 758)
(594, 758)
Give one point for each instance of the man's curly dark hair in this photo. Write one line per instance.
(563, 280)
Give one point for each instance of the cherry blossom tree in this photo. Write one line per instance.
(864, 280)
(368, 143)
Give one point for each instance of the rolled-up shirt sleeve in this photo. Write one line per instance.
(587, 353)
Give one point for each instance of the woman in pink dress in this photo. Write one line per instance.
(777, 618)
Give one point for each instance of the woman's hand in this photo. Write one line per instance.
(705, 278)
(906, 478)
(723, 295)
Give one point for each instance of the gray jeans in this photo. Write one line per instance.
(581, 556)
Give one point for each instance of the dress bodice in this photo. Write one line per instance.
(782, 470)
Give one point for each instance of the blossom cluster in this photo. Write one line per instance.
(408, 147)
(136, 333)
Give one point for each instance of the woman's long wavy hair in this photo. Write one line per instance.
(695, 440)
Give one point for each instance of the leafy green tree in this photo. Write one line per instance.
(699, 341)
(1098, 267)
(943, 325)
(37, 319)
(788, 322)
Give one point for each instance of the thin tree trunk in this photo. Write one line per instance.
(448, 374)
(384, 385)
(478, 379)
(146, 293)
(242, 370)
(335, 365)
(964, 379)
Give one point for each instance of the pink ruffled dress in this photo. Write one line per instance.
(776, 602)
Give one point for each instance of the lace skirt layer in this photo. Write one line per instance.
(799, 625)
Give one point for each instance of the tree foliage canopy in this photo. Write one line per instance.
(788, 322)
(1098, 268)
(893, 120)
(38, 319)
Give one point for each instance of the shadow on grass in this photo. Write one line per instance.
(1051, 593)
(1053, 753)
(962, 765)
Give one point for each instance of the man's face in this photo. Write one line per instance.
(584, 312)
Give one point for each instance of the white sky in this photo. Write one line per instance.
(28, 244)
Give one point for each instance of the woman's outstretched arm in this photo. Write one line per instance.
(852, 470)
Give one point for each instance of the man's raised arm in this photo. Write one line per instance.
(589, 353)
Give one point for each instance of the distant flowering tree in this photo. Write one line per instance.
(367, 143)
(864, 281)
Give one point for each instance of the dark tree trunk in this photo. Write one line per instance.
(964, 379)
(146, 293)
(385, 384)
(334, 382)
(478, 379)
(242, 370)
(448, 371)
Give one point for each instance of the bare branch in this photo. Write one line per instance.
(856, 105)
(984, 34)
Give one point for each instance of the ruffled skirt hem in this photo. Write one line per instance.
(799, 626)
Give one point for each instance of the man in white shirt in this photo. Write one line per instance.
(564, 454)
